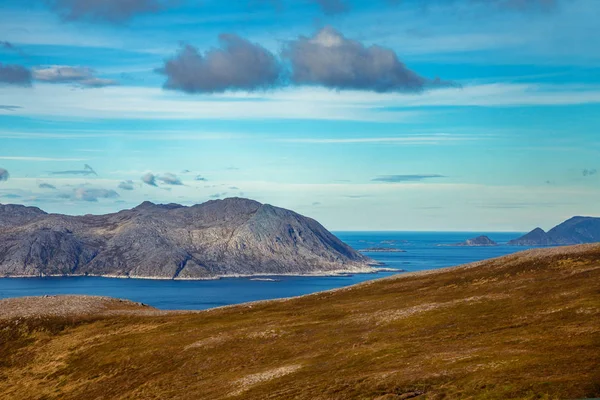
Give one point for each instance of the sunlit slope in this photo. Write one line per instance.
(522, 326)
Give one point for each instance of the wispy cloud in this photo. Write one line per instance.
(9, 108)
(170, 179)
(126, 185)
(31, 158)
(92, 195)
(589, 172)
(80, 76)
(87, 170)
(44, 185)
(406, 178)
(415, 140)
(111, 11)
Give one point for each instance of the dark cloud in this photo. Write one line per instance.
(89, 194)
(149, 179)
(589, 172)
(87, 170)
(81, 76)
(236, 65)
(112, 11)
(316, 203)
(4, 175)
(329, 59)
(46, 186)
(9, 108)
(218, 195)
(126, 185)
(170, 179)
(200, 178)
(12, 74)
(405, 178)
(332, 7)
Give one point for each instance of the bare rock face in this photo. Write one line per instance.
(479, 241)
(577, 230)
(218, 238)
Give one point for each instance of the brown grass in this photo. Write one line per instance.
(520, 327)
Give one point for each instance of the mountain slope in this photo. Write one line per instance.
(217, 238)
(577, 230)
(523, 326)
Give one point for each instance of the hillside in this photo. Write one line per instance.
(523, 326)
(218, 238)
(577, 230)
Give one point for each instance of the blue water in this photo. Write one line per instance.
(422, 253)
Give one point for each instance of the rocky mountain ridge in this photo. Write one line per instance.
(218, 238)
(576, 230)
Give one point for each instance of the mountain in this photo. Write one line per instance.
(479, 241)
(524, 326)
(577, 230)
(218, 238)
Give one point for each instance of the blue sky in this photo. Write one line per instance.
(506, 139)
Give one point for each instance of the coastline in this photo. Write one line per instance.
(333, 273)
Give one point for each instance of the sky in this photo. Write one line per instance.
(443, 115)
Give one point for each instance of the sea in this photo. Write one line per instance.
(423, 251)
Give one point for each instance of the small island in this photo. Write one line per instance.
(479, 241)
(382, 250)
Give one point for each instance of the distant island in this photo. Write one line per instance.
(479, 241)
(382, 250)
(221, 238)
(577, 230)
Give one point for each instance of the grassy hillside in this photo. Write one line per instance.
(523, 326)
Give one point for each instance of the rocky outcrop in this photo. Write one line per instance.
(577, 230)
(479, 241)
(219, 238)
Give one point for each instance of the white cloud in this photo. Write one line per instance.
(297, 103)
(30, 158)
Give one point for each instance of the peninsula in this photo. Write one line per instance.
(220, 238)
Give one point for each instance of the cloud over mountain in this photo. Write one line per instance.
(92, 195)
(237, 64)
